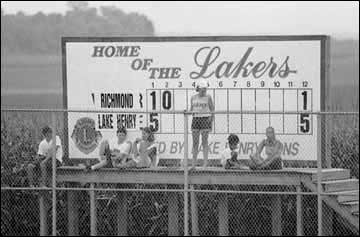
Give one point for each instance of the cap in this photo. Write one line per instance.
(202, 84)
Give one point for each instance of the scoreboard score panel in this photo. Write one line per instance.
(245, 74)
(229, 101)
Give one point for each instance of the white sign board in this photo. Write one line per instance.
(132, 75)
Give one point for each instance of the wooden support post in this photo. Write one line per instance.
(327, 220)
(173, 214)
(223, 215)
(44, 207)
(276, 215)
(194, 214)
(121, 214)
(93, 222)
(73, 213)
(299, 213)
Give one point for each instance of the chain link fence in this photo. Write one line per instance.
(229, 194)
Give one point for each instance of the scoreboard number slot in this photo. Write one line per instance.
(166, 100)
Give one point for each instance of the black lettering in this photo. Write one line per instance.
(98, 51)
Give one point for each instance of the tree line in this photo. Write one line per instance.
(41, 33)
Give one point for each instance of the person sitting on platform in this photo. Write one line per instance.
(144, 151)
(43, 161)
(230, 154)
(273, 149)
(113, 152)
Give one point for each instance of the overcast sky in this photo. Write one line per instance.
(339, 19)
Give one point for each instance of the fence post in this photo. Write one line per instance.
(186, 206)
(194, 213)
(53, 120)
(73, 212)
(43, 206)
(319, 178)
(173, 214)
(121, 214)
(299, 212)
(93, 210)
(223, 215)
(276, 215)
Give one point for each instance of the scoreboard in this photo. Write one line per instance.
(145, 81)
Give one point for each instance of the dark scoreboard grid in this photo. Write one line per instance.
(172, 90)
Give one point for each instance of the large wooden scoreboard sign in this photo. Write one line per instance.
(261, 74)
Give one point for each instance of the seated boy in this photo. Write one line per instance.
(43, 161)
(229, 155)
(112, 153)
(273, 149)
(144, 151)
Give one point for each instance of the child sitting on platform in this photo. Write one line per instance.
(229, 155)
(114, 152)
(43, 161)
(273, 149)
(144, 151)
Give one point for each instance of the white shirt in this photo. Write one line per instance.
(226, 155)
(201, 105)
(137, 158)
(45, 148)
(123, 148)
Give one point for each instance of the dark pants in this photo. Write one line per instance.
(40, 168)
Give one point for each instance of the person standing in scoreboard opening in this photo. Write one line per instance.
(273, 149)
(202, 106)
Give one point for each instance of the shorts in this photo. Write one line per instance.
(201, 123)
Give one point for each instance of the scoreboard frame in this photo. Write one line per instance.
(323, 127)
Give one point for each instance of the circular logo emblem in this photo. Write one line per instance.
(84, 135)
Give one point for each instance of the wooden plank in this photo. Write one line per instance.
(121, 214)
(223, 215)
(173, 214)
(265, 178)
(352, 206)
(73, 213)
(299, 213)
(93, 212)
(69, 169)
(347, 196)
(276, 215)
(333, 174)
(194, 214)
(340, 185)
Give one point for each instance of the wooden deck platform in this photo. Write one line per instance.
(210, 175)
(295, 177)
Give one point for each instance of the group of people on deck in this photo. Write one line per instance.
(142, 153)
(122, 153)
